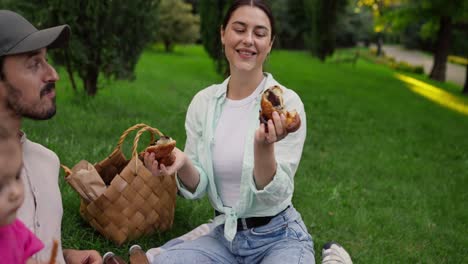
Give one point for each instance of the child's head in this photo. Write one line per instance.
(11, 187)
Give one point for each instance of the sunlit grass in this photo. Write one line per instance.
(435, 94)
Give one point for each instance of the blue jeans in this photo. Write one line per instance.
(283, 240)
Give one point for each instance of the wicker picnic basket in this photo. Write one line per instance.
(133, 202)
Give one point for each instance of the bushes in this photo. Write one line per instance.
(393, 63)
(458, 60)
(406, 67)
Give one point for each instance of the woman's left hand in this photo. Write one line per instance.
(276, 130)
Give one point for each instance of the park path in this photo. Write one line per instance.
(455, 73)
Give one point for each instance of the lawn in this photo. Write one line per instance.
(384, 169)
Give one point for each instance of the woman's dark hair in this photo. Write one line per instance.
(254, 3)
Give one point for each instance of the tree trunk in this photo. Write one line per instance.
(465, 87)
(167, 46)
(69, 70)
(90, 81)
(442, 49)
(379, 43)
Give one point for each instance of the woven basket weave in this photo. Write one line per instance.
(135, 202)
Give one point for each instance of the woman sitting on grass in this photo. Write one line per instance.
(246, 168)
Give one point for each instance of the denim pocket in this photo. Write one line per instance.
(269, 229)
(297, 230)
(261, 236)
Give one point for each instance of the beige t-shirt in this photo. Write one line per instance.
(42, 209)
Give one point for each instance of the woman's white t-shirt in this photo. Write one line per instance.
(228, 150)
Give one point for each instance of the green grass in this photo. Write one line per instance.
(384, 171)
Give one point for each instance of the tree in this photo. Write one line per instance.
(211, 18)
(448, 14)
(107, 36)
(194, 4)
(354, 25)
(465, 87)
(176, 23)
(323, 17)
(382, 16)
(291, 23)
(442, 48)
(441, 17)
(460, 48)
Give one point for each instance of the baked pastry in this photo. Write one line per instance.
(272, 101)
(162, 150)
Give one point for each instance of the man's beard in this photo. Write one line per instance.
(34, 111)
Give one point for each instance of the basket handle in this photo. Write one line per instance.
(137, 138)
(68, 171)
(125, 134)
(138, 135)
(128, 131)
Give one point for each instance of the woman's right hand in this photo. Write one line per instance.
(276, 130)
(160, 169)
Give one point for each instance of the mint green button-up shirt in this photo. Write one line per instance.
(201, 120)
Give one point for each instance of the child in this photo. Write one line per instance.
(17, 243)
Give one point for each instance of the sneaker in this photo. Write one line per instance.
(334, 253)
(137, 255)
(111, 258)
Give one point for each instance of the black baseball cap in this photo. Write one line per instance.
(17, 35)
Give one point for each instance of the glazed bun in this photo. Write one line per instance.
(272, 101)
(293, 121)
(162, 150)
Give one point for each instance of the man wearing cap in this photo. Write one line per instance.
(27, 89)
